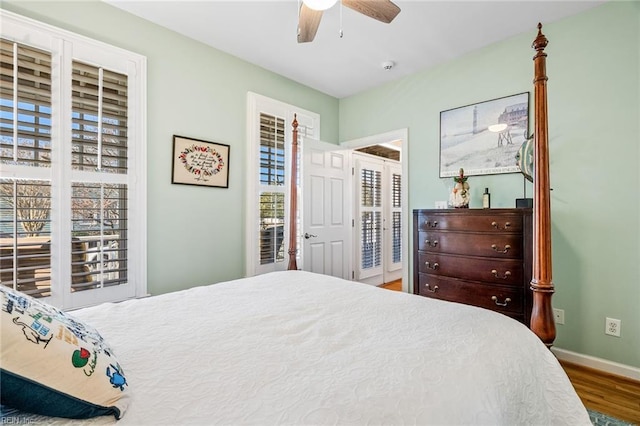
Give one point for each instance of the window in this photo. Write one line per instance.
(269, 162)
(272, 189)
(72, 145)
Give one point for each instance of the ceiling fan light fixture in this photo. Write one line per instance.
(319, 4)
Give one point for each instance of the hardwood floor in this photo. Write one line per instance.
(393, 285)
(600, 391)
(604, 392)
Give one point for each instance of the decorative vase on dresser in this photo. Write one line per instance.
(479, 257)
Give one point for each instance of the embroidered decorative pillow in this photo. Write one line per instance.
(55, 365)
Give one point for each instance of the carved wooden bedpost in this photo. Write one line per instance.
(542, 320)
(293, 204)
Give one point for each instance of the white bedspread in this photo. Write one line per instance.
(296, 348)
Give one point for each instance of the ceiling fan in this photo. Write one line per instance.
(311, 13)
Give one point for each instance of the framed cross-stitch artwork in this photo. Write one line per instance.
(198, 162)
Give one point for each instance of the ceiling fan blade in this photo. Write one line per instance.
(308, 22)
(381, 10)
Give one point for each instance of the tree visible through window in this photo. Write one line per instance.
(25, 142)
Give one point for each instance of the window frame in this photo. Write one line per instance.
(65, 47)
(309, 128)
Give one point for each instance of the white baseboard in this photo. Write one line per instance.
(597, 363)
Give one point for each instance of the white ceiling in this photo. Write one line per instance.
(424, 34)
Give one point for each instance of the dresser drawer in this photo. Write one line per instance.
(475, 244)
(503, 299)
(491, 270)
(482, 221)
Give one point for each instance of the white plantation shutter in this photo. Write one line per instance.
(67, 231)
(25, 148)
(272, 189)
(393, 221)
(25, 105)
(396, 218)
(99, 206)
(99, 121)
(99, 221)
(25, 220)
(272, 150)
(370, 207)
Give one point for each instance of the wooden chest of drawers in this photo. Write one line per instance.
(480, 257)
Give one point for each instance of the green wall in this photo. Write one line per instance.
(195, 235)
(594, 113)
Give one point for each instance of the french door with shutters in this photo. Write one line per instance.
(377, 219)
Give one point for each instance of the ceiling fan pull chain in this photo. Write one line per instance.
(341, 33)
(298, 30)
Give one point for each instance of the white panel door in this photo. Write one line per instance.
(326, 223)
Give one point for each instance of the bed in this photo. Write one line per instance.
(298, 348)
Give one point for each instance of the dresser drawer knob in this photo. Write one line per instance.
(430, 266)
(504, 277)
(431, 243)
(431, 290)
(495, 248)
(432, 224)
(497, 226)
(505, 303)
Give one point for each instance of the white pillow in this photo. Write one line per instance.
(55, 365)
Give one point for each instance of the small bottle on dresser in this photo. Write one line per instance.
(486, 199)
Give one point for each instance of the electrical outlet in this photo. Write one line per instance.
(612, 327)
(558, 316)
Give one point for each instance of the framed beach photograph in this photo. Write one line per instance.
(198, 162)
(484, 138)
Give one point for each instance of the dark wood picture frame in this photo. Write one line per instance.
(484, 138)
(199, 162)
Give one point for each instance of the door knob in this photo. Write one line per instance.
(307, 236)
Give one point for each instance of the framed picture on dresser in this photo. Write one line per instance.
(483, 138)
